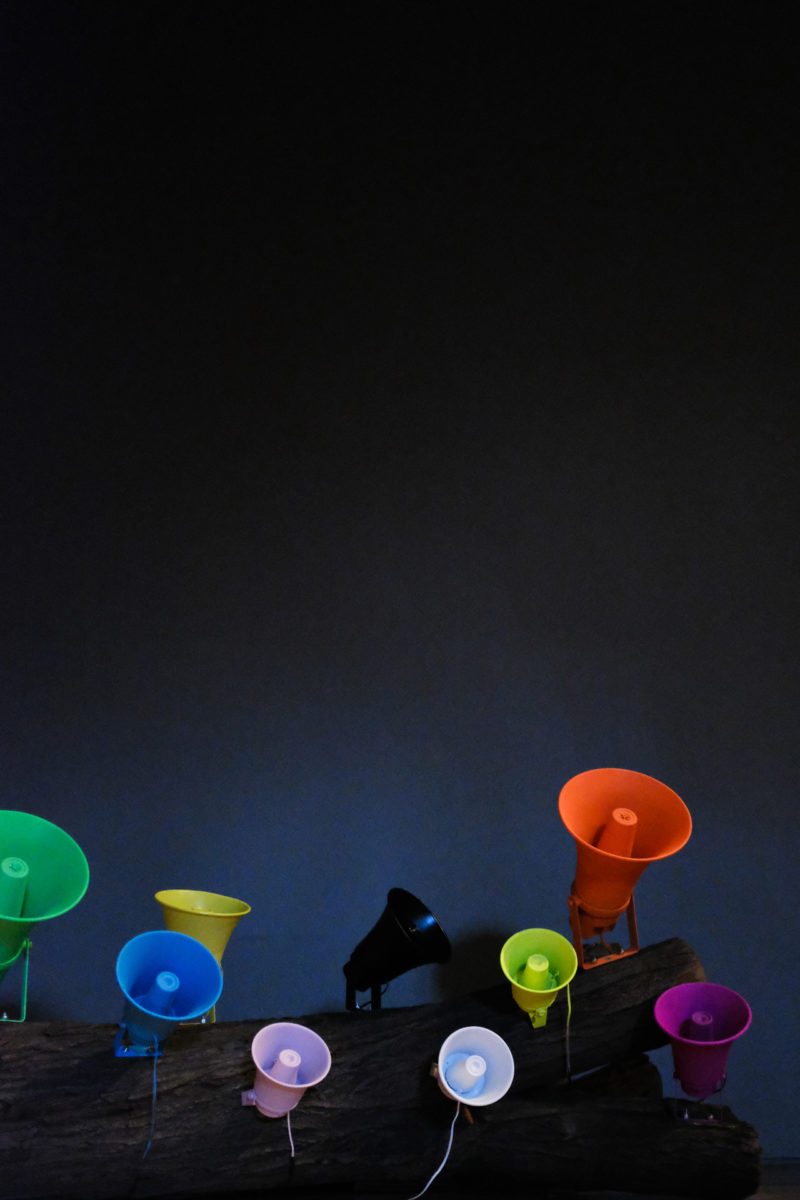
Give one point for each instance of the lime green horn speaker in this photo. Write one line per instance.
(538, 963)
(43, 874)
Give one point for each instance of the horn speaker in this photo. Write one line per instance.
(475, 1065)
(43, 874)
(538, 963)
(621, 822)
(166, 978)
(289, 1058)
(702, 1021)
(206, 916)
(406, 935)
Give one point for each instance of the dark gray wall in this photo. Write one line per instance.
(396, 423)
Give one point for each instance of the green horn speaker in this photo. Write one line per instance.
(43, 874)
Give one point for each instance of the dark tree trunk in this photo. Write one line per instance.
(76, 1119)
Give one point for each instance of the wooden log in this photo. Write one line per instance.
(76, 1119)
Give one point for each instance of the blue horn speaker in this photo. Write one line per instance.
(166, 978)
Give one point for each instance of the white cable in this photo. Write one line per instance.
(444, 1160)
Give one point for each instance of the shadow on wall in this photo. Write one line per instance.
(475, 964)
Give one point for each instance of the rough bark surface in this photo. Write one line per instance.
(76, 1119)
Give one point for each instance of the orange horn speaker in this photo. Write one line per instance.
(621, 821)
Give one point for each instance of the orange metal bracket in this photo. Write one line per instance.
(575, 912)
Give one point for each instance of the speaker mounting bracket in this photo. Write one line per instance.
(125, 1048)
(351, 1001)
(605, 953)
(24, 953)
(695, 1112)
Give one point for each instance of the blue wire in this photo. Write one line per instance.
(153, 1111)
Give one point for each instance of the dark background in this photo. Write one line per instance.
(398, 407)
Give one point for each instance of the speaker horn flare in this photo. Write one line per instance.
(207, 916)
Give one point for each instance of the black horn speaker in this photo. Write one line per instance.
(406, 935)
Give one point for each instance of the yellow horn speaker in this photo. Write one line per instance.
(205, 916)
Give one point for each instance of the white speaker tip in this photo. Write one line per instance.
(475, 1066)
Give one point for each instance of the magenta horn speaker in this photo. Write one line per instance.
(702, 1021)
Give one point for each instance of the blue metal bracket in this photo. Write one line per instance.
(124, 1048)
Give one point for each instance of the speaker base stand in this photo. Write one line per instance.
(125, 1048)
(605, 952)
(208, 1018)
(24, 952)
(351, 1003)
(697, 1112)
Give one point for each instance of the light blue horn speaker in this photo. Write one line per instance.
(166, 978)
